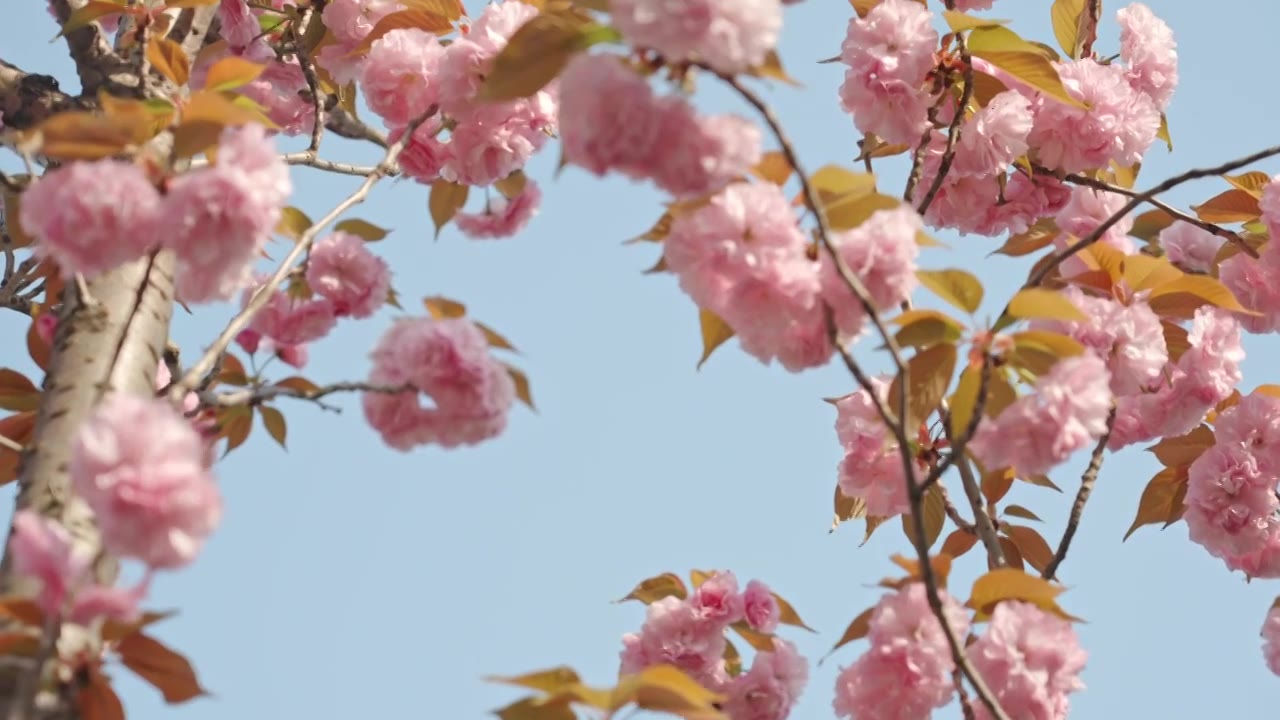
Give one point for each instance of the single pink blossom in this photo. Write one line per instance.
(729, 35)
(676, 633)
(494, 140)
(342, 270)
(1150, 53)
(706, 152)
(141, 467)
(502, 217)
(1031, 661)
(995, 136)
(1129, 337)
(90, 217)
(1190, 247)
(881, 252)
(889, 53)
(398, 76)
(872, 466)
(609, 117)
(771, 688)
(761, 607)
(717, 599)
(449, 362)
(1231, 501)
(291, 321)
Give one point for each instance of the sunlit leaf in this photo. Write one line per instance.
(536, 54)
(847, 508)
(857, 630)
(1044, 304)
(1184, 449)
(1182, 297)
(1020, 512)
(658, 587)
(1037, 237)
(90, 12)
(930, 372)
(1032, 546)
(934, 512)
(958, 543)
(1162, 499)
(169, 59)
(1232, 206)
(166, 670)
(446, 199)
(961, 288)
(1251, 182)
(715, 332)
(1066, 15)
(1010, 584)
(362, 229)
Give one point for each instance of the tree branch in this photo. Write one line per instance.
(266, 393)
(953, 134)
(308, 159)
(1087, 481)
(260, 298)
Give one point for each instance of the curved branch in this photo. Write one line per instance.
(1087, 481)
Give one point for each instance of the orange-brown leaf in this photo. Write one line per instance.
(166, 670)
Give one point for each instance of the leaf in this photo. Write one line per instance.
(958, 287)
(1175, 338)
(873, 522)
(1143, 272)
(958, 543)
(656, 588)
(1163, 132)
(273, 421)
(964, 400)
(447, 198)
(847, 508)
(440, 307)
(787, 614)
(538, 708)
(832, 182)
(1024, 61)
(166, 670)
(415, 18)
(1149, 224)
(82, 135)
(1162, 500)
(732, 659)
(1020, 512)
(524, 391)
(1066, 16)
(362, 229)
(715, 331)
(550, 681)
(24, 610)
(236, 423)
(941, 565)
(985, 88)
(1232, 206)
(1011, 555)
(19, 428)
(757, 640)
(850, 211)
(1182, 297)
(513, 184)
(536, 54)
(935, 516)
(773, 167)
(1044, 304)
(930, 374)
(97, 700)
(293, 223)
(90, 12)
(448, 9)
(184, 4)
(1038, 236)
(1251, 182)
(114, 630)
(1184, 449)
(169, 59)
(1033, 548)
(1039, 350)
(960, 22)
(496, 340)
(1009, 584)
(772, 68)
(666, 689)
(697, 577)
(996, 484)
(858, 629)
(923, 328)
(17, 393)
(232, 72)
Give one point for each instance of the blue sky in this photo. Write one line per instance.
(350, 580)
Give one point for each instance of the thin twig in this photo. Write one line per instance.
(310, 160)
(265, 393)
(982, 523)
(916, 495)
(1136, 201)
(8, 444)
(262, 296)
(954, 513)
(1087, 482)
(981, 518)
(1229, 235)
(953, 134)
(313, 82)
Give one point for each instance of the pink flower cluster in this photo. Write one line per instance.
(1066, 410)
(449, 362)
(143, 469)
(407, 72)
(890, 89)
(872, 467)
(1256, 283)
(690, 634)
(279, 89)
(1129, 338)
(348, 281)
(729, 35)
(1186, 390)
(1271, 640)
(1231, 489)
(743, 257)
(906, 673)
(1192, 249)
(216, 219)
(1030, 660)
(611, 120)
(502, 217)
(44, 551)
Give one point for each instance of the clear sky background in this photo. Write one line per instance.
(350, 580)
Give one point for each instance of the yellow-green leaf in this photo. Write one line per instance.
(1234, 205)
(930, 373)
(960, 22)
(169, 59)
(833, 181)
(1251, 182)
(442, 307)
(362, 229)
(1066, 15)
(496, 339)
(1183, 296)
(551, 681)
(715, 331)
(1143, 272)
(655, 588)
(232, 72)
(849, 211)
(1044, 304)
(446, 199)
(536, 54)
(1149, 224)
(1162, 500)
(1010, 584)
(934, 514)
(558, 707)
(666, 689)
(1029, 66)
(293, 223)
(273, 421)
(1038, 236)
(847, 508)
(91, 11)
(1163, 132)
(958, 287)
(923, 328)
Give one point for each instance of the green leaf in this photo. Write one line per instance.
(1066, 15)
(1023, 60)
(364, 230)
(958, 287)
(293, 223)
(960, 22)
